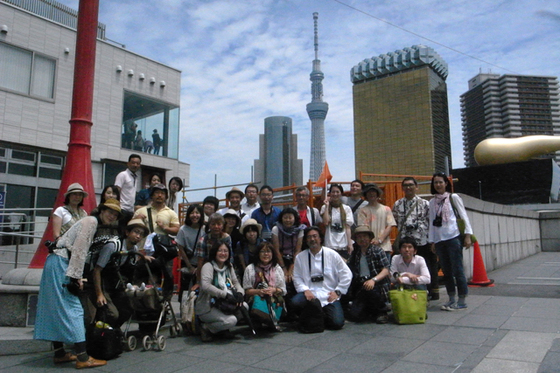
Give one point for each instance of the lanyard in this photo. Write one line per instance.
(322, 262)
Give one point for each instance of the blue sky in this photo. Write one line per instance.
(245, 60)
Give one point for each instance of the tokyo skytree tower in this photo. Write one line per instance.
(317, 111)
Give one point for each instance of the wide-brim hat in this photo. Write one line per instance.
(137, 223)
(112, 204)
(235, 190)
(232, 212)
(369, 187)
(251, 222)
(363, 229)
(75, 188)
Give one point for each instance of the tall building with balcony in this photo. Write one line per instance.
(278, 165)
(401, 119)
(131, 92)
(508, 106)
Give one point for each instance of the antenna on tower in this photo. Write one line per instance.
(316, 39)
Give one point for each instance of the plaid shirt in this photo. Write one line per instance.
(376, 260)
(205, 243)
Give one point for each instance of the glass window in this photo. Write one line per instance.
(21, 169)
(26, 72)
(45, 199)
(150, 126)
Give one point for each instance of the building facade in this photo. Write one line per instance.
(37, 51)
(278, 165)
(401, 119)
(508, 106)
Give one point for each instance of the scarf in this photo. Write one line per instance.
(221, 277)
(264, 274)
(443, 206)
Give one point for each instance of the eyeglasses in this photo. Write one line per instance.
(409, 185)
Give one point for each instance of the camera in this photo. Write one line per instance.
(50, 245)
(364, 279)
(437, 221)
(336, 227)
(318, 278)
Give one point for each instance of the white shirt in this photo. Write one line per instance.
(248, 209)
(126, 180)
(450, 229)
(337, 275)
(338, 240)
(417, 266)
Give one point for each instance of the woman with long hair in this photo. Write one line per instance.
(175, 187)
(444, 235)
(338, 219)
(265, 287)
(189, 234)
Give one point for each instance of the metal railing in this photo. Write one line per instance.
(54, 11)
(20, 233)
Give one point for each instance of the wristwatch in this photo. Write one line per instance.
(374, 279)
(338, 293)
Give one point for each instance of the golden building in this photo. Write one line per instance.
(401, 120)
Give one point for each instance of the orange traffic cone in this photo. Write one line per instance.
(480, 278)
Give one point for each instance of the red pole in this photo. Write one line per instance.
(78, 160)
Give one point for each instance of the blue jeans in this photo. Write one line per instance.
(450, 253)
(334, 315)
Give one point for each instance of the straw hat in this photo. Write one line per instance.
(75, 188)
(112, 204)
(137, 223)
(251, 222)
(235, 190)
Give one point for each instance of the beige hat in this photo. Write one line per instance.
(232, 212)
(235, 190)
(112, 204)
(250, 222)
(75, 188)
(137, 223)
(363, 229)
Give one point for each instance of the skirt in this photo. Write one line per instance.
(60, 316)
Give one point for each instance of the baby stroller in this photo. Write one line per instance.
(151, 305)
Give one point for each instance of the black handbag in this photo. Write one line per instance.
(104, 342)
(165, 247)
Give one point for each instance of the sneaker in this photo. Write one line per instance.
(458, 306)
(382, 319)
(449, 306)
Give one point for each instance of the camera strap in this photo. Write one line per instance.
(322, 262)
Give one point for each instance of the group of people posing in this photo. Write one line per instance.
(316, 267)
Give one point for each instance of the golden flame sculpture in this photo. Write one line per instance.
(501, 150)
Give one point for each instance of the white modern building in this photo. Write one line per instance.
(37, 51)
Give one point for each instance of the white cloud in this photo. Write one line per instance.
(244, 60)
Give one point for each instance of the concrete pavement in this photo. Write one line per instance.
(501, 331)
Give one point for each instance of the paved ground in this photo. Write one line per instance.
(513, 327)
